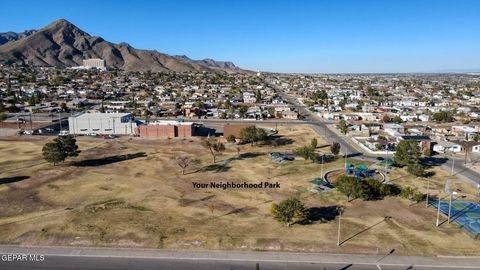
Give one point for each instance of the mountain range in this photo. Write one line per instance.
(62, 44)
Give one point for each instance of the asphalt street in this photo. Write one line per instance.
(125, 258)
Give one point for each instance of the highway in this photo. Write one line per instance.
(123, 258)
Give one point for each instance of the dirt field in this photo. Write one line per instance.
(131, 193)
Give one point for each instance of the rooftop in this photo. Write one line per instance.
(103, 115)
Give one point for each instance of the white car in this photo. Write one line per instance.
(63, 133)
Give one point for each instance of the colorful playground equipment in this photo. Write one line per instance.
(360, 171)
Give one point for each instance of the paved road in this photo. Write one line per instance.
(109, 258)
(352, 150)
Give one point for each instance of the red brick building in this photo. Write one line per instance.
(234, 129)
(165, 129)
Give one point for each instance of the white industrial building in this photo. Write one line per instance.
(94, 63)
(102, 123)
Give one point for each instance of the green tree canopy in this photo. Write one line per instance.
(335, 148)
(289, 211)
(342, 126)
(54, 153)
(60, 148)
(253, 135)
(407, 152)
(307, 152)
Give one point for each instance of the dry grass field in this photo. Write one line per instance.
(131, 193)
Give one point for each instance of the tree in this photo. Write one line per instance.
(214, 146)
(307, 152)
(60, 148)
(368, 188)
(443, 116)
(253, 135)
(335, 148)
(3, 116)
(185, 161)
(243, 110)
(64, 107)
(407, 152)
(289, 211)
(53, 152)
(69, 145)
(349, 186)
(397, 119)
(258, 96)
(342, 126)
(314, 143)
(320, 96)
(386, 118)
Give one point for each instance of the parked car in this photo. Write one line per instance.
(63, 133)
(93, 134)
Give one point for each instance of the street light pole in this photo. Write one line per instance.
(450, 206)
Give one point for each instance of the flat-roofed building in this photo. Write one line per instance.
(102, 123)
(165, 129)
(94, 63)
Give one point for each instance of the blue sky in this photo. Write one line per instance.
(285, 36)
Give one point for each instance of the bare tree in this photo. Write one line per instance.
(185, 161)
(214, 146)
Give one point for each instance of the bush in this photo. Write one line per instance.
(231, 138)
(412, 194)
(416, 169)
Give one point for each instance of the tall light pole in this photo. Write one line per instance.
(449, 192)
(450, 206)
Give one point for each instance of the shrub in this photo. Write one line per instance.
(231, 138)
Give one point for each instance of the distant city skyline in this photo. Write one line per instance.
(281, 36)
